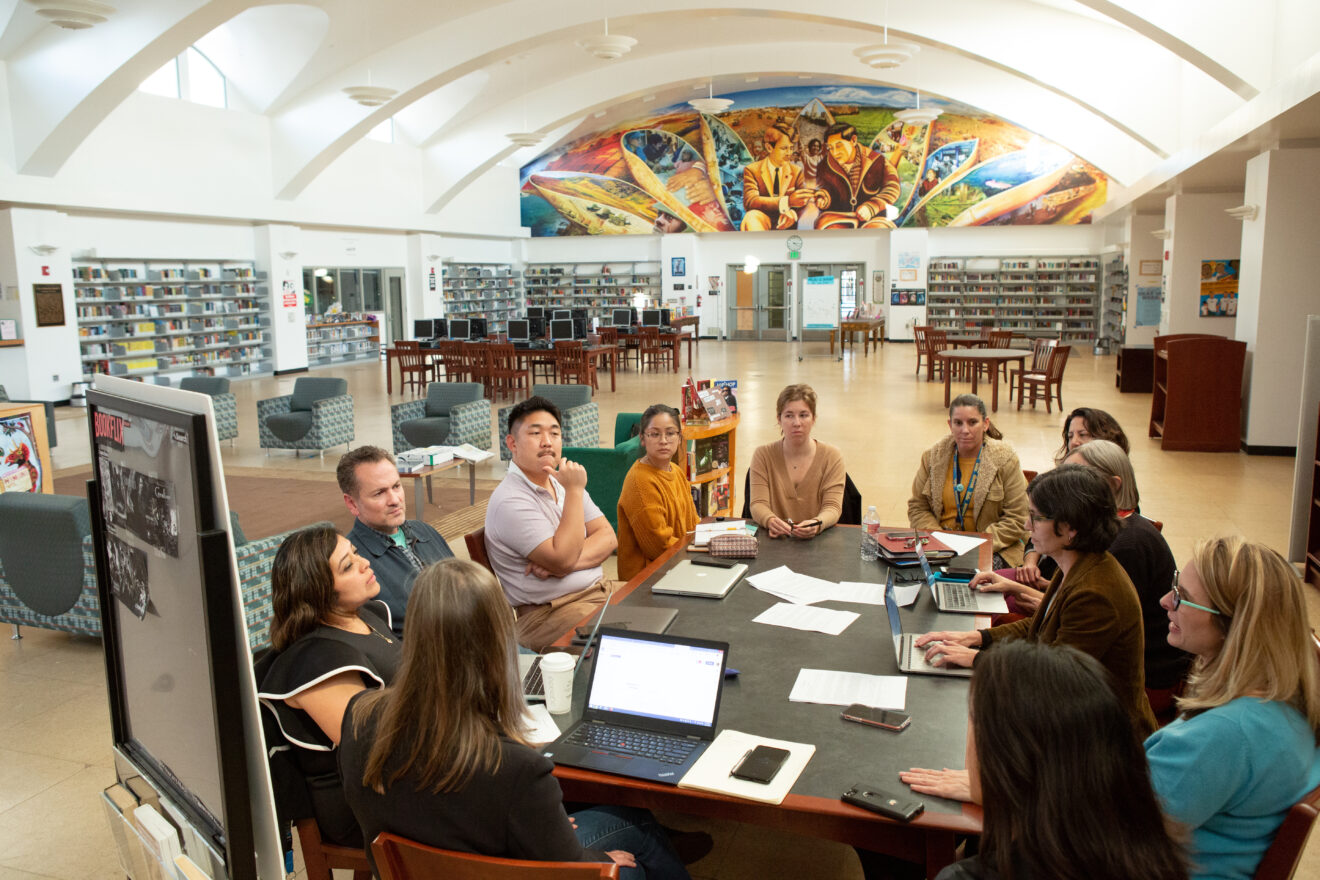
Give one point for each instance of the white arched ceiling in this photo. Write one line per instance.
(1123, 83)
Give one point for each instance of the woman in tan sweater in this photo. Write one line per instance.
(655, 504)
(797, 482)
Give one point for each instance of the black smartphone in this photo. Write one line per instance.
(760, 764)
(877, 800)
(889, 719)
(959, 573)
(713, 561)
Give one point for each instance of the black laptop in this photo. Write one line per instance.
(651, 709)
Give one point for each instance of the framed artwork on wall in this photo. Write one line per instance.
(48, 302)
(678, 266)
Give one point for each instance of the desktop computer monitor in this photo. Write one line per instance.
(477, 328)
(561, 329)
(518, 330)
(536, 326)
(664, 317)
(439, 328)
(560, 314)
(621, 318)
(536, 311)
(579, 327)
(458, 328)
(580, 313)
(650, 317)
(424, 329)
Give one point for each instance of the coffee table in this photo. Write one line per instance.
(428, 472)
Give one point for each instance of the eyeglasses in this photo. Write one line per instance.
(1179, 600)
(1039, 517)
(666, 435)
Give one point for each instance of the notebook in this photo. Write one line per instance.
(957, 597)
(912, 659)
(651, 706)
(529, 665)
(704, 581)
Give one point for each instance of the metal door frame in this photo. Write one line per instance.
(760, 331)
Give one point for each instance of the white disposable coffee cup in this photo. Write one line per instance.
(557, 672)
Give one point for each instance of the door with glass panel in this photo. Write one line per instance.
(758, 303)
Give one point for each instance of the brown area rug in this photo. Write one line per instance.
(268, 506)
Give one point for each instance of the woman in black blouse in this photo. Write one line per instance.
(441, 756)
(333, 640)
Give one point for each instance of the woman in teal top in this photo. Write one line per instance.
(1244, 747)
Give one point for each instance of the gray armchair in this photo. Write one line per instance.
(452, 414)
(317, 415)
(50, 413)
(226, 407)
(580, 414)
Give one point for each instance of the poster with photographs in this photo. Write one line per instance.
(141, 504)
(1219, 288)
(128, 575)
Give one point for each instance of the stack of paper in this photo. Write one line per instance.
(711, 772)
(790, 586)
(846, 688)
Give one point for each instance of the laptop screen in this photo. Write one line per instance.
(926, 569)
(518, 330)
(664, 680)
(561, 328)
(895, 622)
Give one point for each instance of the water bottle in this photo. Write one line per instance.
(870, 542)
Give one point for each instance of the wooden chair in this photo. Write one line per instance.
(477, 365)
(398, 858)
(320, 858)
(476, 547)
(999, 339)
(1051, 378)
(1280, 860)
(1028, 475)
(1040, 358)
(936, 341)
(451, 356)
(654, 352)
(575, 366)
(414, 366)
(507, 376)
(919, 335)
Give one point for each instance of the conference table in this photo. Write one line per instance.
(974, 357)
(756, 702)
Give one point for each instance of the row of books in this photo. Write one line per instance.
(712, 497)
(706, 401)
(707, 454)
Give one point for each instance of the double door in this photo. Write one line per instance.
(758, 303)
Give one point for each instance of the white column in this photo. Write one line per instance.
(1143, 248)
(907, 271)
(277, 251)
(50, 358)
(425, 279)
(1200, 231)
(1279, 288)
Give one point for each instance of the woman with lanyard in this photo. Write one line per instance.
(971, 481)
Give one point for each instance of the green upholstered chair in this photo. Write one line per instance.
(317, 415)
(453, 413)
(581, 416)
(607, 466)
(50, 413)
(48, 583)
(222, 400)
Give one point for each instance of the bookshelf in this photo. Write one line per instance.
(1113, 305)
(160, 320)
(597, 287)
(713, 489)
(483, 290)
(1196, 397)
(349, 336)
(1031, 296)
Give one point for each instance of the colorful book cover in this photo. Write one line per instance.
(729, 388)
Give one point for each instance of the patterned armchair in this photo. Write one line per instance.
(453, 413)
(317, 415)
(226, 407)
(50, 413)
(48, 583)
(581, 416)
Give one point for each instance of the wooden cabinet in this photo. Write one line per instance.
(1135, 370)
(1196, 399)
(714, 486)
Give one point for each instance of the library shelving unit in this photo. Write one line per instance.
(715, 479)
(1113, 305)
(1032, 296)
(348, 336)
(166, 319)
(1313, 522)
(483, 290)
(597, 287)
(1196, 397)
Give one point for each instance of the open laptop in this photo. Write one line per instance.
(704, 581)
(957, 597)
(651, 706)
(912, 659)
(529, 665)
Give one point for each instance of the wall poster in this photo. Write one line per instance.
(48, 302)
(1219, 288)
(1148, 306)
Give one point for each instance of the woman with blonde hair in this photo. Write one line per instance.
(796, 483)
(441, 756)
(1243, 749)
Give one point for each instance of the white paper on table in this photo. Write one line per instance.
(786, 584)
(705, 531)
(959, 544)
(544, 730)
(906, 594)
(846, 688)
(807, 617)
(859, 593)
(711, 771)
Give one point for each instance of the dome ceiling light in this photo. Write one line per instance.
(74, 15)
(370, 96)
(887, 56)
(918, 115)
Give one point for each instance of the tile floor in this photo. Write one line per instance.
(54, 725)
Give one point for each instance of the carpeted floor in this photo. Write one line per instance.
(267, 506)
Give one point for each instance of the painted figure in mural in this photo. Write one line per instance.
(772, 187)
(811, 161)
(854, 184)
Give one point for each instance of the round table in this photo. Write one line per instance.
(991, 357)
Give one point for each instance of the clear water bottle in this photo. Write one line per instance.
(870, 535)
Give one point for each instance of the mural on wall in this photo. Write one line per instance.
(806, 158)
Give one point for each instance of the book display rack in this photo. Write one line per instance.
(1032, 296)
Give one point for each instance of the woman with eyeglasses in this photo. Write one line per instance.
(655, 505)
(1090, 603)
(796, 483)
(1243, 749)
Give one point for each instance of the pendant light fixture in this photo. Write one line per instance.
(370, 95)
(918, 115)
(887, 55)
(73, 15)
(526, 137)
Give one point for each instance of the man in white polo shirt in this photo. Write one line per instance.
(545, 537)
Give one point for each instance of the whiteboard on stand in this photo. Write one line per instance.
(820, 306)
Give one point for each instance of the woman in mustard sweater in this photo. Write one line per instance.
(655, 504)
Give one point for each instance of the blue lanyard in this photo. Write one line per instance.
(963, 495)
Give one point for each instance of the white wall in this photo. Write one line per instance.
(1141, 245)
(1027, 241)
(1201, 231)
(51, 355)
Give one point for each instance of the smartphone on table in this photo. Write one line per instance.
(760, 764)
(889, 719)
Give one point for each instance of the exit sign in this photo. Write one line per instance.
(795, 255)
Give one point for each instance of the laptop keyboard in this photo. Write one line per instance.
(635, 743)
(534, 682)
(958, 596)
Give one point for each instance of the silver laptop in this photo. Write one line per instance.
(958, 597)
(704, 581)
(529, 665)
(912, 659)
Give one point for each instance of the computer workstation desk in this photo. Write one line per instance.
(756, 702)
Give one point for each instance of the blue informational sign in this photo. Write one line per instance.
(1148, 307)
